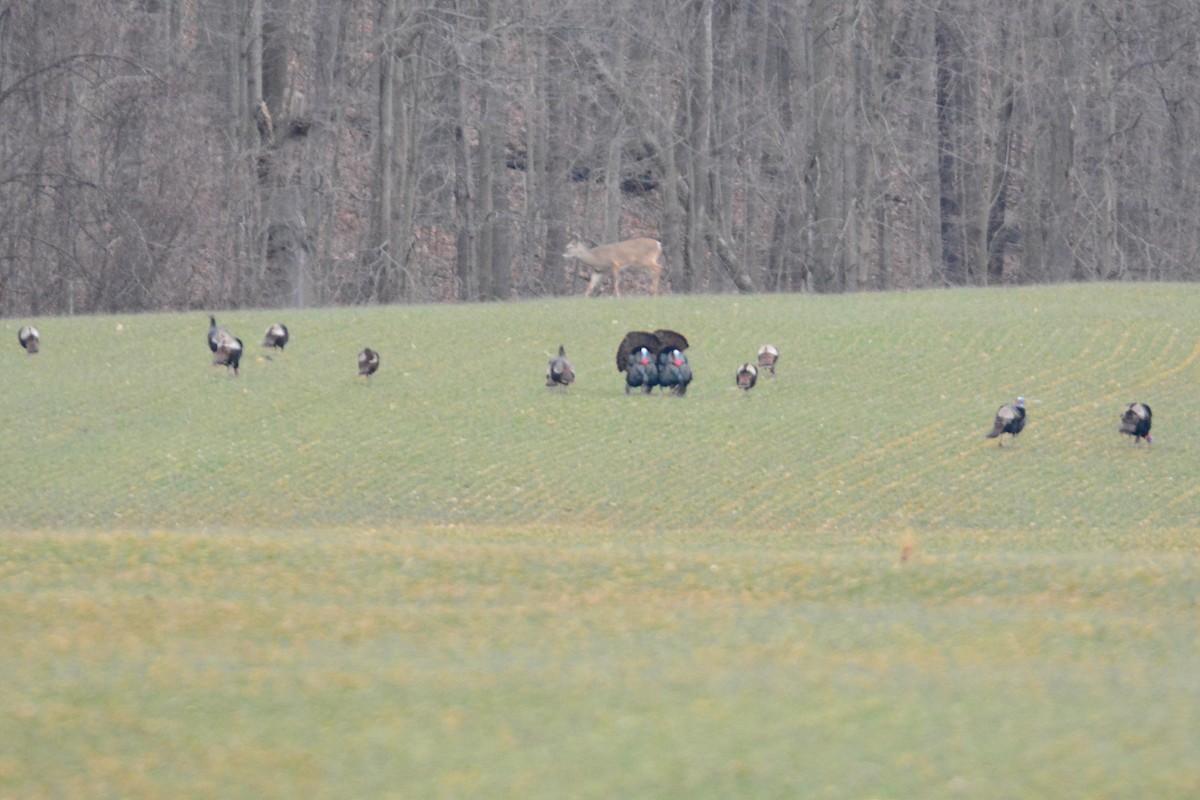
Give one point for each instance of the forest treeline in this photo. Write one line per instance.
(181, 154)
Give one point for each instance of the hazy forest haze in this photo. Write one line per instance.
(186, 154)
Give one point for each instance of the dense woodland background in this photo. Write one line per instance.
(177, 154)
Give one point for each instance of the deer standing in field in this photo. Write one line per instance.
(608, 260)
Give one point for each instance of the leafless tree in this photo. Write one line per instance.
(171, 154)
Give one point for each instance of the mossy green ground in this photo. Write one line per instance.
(454, 582)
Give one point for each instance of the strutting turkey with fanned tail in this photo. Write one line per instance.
(674, 371)
(1010, 419)
(641, 357)
(1136, 422)
(560, 371)
(641, 370)
(226, 349)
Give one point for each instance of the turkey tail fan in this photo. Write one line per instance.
(634, 341)
(671, 340)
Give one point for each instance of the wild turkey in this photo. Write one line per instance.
(368, 362)
(1136, 422)
(647, 371)
(767, 356)
(560, 371)
(674, 371)
(29, 339)
(746, 376)
(635, 357)
(1010, 418)
(228, 354)
(641, 370)
(276, 337)
(214, 334)
(226, 349)
(670, 340)
(634, 341)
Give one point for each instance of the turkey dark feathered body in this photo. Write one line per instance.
(641, 356)
(1010, 419)
(368, 362)
(746, 376)
(226, 349)
(768, 354)
(560, 371)
(228, 354)
(641, 370)
(1136, 421)
(276, 336)
(633, 342)
(30, 339)
(674, 371)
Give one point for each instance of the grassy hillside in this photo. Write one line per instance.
(874, 422)
(455, 583)
(481, 661)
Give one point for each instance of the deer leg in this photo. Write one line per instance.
(616, 283)
(592, 284)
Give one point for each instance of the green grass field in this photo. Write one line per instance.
(455, 582)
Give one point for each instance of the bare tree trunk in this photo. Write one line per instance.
(698, 169)
(466, 257)
(612, 183)
(495, 249)
(1109, 264)
(285, 246)
(616, 146)
(729, 261)
(954, 112)
(929, 221)
(380, 254)
(856, 267)
(1058, 153)
(408, 167)
(998, 226)
(557, 166)
(793, 243)
(670, 230)
(274, 54)
(331, 41)
(527, 158)
(824, 136)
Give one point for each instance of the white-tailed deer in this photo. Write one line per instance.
(608, 260)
